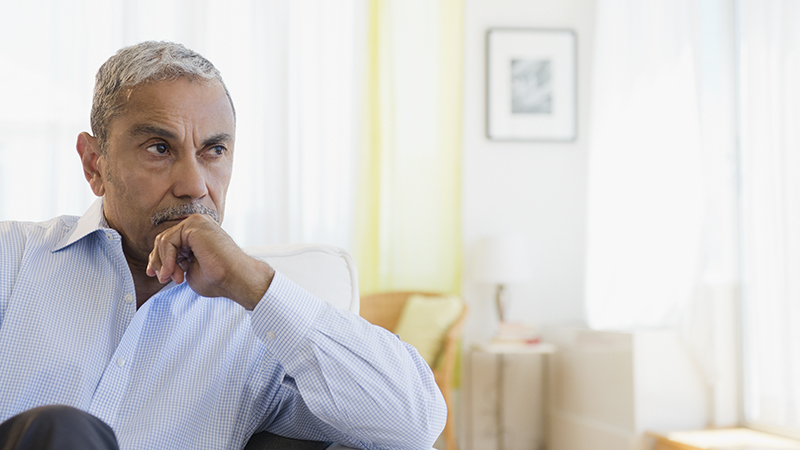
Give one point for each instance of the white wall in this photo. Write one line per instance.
(536, 189)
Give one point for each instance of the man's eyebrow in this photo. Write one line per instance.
(218, 138)
(146, 129)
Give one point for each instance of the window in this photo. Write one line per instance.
(292, 67)
(769, 108)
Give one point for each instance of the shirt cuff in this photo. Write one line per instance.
(285, 316)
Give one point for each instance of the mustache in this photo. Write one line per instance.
(180, 211)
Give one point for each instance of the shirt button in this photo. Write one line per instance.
(109, 236)
(270, 335)
(129, 298)
(121, 362)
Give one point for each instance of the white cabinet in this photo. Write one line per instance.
(608, 388)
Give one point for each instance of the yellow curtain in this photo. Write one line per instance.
(409, 206)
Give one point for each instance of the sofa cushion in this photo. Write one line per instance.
(424, 321)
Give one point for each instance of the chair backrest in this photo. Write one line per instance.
(326, 271)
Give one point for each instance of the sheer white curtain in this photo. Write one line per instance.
(292, 67)
(45, 88)
(770, 137)
(661, 218)
(662, 244)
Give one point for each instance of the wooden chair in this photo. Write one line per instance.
(384, 310)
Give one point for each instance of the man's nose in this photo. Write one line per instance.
(189, 179)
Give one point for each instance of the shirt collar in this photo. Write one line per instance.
(93, 220)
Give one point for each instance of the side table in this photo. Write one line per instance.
(506, 408)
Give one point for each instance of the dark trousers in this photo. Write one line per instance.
(269, 441)
(56, 427)
(59, 427)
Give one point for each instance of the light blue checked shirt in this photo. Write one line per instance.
(190, 372)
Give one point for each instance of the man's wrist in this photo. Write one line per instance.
(255, 283)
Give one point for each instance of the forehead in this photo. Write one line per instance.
(199, 104)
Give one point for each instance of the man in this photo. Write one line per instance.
(146, 315)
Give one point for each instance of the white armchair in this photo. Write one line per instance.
(327, 272)
(330, 274)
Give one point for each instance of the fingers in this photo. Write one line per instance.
(169, 259)
(198, 251)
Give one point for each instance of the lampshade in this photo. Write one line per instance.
(502, 259)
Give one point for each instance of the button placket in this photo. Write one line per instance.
(110, 390)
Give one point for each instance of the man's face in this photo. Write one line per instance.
(171, 146)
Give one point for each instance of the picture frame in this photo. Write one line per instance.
(531, 84)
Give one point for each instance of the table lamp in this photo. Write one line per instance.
(501, 260)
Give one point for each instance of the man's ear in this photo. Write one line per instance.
(89, 151)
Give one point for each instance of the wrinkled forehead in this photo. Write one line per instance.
(171, 108)
(129, 93)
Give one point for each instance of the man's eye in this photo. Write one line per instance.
(158, 149)
(218, 150)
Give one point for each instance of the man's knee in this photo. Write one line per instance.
(52, 414)
(56, 426)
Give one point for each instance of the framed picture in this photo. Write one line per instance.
(531, 85)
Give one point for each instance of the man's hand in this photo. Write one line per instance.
(199, 251)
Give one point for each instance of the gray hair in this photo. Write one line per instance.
(147, 62)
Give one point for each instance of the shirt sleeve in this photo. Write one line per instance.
(357, 382)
